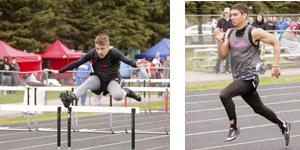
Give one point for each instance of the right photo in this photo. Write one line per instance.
(242, 75)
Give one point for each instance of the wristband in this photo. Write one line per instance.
(275, 66)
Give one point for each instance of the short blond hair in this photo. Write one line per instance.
(102, 40)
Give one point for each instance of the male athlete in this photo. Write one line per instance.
(106, 76)
(243, 42)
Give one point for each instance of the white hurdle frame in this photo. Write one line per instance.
(75, 126)
(166, 107)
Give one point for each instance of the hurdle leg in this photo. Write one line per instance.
(167, 111)
(58, 127)
(133, 128)
(110, 99)
(69, 127)
(28, 116)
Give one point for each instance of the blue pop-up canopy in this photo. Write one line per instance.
(163, 47)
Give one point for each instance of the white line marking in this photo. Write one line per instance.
(250, 127)
(278, 88)
(192, 111)
(124, 142)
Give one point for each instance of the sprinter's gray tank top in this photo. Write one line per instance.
(244, 53)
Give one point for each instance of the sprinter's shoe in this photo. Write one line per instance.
(133, 94)
(233, 133)
(66, 98)
(286, 132)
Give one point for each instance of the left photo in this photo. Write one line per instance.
(85, 74)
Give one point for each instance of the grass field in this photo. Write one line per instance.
(19, 95)
(189, 65)
(264, 80)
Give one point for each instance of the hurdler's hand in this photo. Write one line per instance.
(51, 70)
(275, 72)
(218, 33)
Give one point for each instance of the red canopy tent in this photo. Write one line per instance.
(59, 56)
(27, 62)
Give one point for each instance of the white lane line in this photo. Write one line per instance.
(268, 89)
(212, 109)
(34, 138)
(250, 127)
(215, 119)
(243, 143)
(262, 96)
(96, 147)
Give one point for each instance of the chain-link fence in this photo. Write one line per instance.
(201, 57)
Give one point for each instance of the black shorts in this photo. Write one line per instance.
(104, 84)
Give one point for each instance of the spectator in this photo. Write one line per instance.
(279, 23)
(125, 70)
(166, 72)
(298, 23)
(224, 23)
(143, 74)
(284, 26)
(214, 23)
(155, 72)
(290, 41)
(81, 76)
(259, 22)
(15, 76)
(271, 24)
(6, 78)
(1, 68)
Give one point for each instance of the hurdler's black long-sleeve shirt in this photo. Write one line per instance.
(106, 67)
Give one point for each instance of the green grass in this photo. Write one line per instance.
(19, 95)
(189, 65)
(50, 115)
(264, 80)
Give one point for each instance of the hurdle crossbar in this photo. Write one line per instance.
(95, 109)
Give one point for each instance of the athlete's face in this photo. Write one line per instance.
(102, 50)
(237, 17)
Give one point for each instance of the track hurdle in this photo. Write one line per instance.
(166, 107)
(97, 109)
(151, 90)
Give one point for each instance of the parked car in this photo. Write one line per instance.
(192, 35)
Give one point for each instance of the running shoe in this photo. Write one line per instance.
(233, 133)
(286, 133)
(133, 94)
(66, 98)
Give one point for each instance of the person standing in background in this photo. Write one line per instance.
(298, 23)
(15, 76)
(6, 78)
(155, 72)
(271, 25)
(224, 23)
(81, 76)
(125, 70)
(166, 72)
(259, 22)
(1, 68)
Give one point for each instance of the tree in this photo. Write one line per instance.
(27, 24)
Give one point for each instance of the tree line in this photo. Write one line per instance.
(35, 24)
(255, 7)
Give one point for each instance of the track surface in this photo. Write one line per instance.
(155, 122)
(207, 124)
